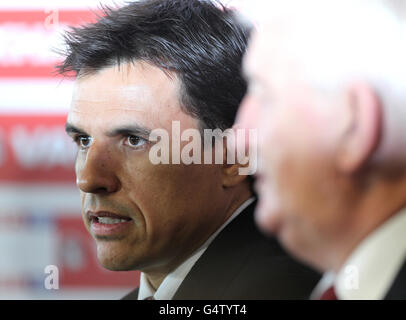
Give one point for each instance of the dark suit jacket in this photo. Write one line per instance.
(397, 291)
(241, 263)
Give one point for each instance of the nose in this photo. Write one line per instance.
(96, 171)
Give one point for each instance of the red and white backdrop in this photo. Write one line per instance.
(40, 221)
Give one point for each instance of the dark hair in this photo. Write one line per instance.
(200, 40)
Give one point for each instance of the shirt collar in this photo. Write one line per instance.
(145, 290)
(173, 280)
(372, 266)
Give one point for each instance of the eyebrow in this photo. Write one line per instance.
(70, 128)
(133, 129)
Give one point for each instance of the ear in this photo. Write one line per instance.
(363, 129)
(231, 172)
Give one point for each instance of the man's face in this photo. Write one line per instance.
(297, 136)
(142, 216)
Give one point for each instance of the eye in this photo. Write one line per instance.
(135, 141)
(83, 141)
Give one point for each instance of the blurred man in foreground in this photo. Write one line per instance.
(169, 67)
(327, 90)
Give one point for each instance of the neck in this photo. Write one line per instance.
(383, 201)
(155, 279)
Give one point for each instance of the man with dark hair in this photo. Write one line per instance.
(187, 227)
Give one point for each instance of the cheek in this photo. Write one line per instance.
(275, 140)
(153, 187)
(292, 137)
(290, 153)
(84, 199)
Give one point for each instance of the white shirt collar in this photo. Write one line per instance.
(173, 280)
(372, 266)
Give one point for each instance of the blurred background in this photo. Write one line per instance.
(40, 221)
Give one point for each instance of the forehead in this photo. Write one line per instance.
(261, 55)
(271, 59)
(137, 91)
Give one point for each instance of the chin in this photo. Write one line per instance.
(267, 224)
(115, 260)
(114, 266)
(296, 244)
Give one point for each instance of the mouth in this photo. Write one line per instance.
(107, 224)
